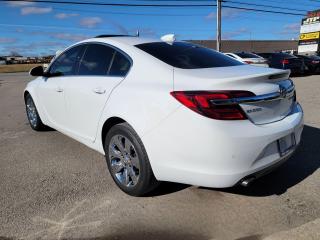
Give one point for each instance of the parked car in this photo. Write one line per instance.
(311, 62)
(168, 111)
(284, 61)
(249, 58)
(3, 61)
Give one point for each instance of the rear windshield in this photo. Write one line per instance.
(247, 55)
(314, 57)
(284, 55)
(264, 55)
(186, 55)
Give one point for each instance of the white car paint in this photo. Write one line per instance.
(182, 145)
(255, 61)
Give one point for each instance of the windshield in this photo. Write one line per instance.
(186, 55)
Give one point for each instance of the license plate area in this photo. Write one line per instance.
(286, 144)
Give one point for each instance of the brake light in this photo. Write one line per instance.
(285, 61)
(248, 62)
(202, 102)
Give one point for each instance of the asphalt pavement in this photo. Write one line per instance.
(52, 187)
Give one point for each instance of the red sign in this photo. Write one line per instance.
(315, 13)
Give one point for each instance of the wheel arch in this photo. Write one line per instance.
(31, 91)
(25, 94)
(108, 124)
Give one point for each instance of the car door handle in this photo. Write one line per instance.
(59, 89)
(99, 90)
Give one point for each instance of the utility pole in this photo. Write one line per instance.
(219, 25)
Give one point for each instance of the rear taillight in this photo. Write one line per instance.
(248, 62)
(315, 61)
(203, 102)
(285, 61)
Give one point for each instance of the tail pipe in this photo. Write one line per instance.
(247, 181)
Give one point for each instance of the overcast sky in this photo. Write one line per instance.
(39, 28)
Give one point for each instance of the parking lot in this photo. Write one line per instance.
(52, 187)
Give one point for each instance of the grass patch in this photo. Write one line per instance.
(17, 67)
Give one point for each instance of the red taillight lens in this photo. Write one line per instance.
(285, 61)
(248, 62)
(202, 103)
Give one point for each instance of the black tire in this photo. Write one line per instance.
(146, 181)
(35, 120)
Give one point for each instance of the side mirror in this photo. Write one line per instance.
(37, 71)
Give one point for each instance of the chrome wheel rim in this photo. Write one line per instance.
(31, 112)
(124, 161)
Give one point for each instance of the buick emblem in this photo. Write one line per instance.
(282, 91)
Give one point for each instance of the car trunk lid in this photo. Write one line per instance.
(274, 92)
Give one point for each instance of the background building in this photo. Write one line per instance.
(310, 33)
(257, 46)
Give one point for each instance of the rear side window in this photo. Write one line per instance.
(186, 55)
(120, 65)
(96, 60)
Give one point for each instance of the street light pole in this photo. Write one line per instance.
(219, 25)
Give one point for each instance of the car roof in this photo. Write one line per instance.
(127, 40)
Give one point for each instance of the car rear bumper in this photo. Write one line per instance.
(196, 150)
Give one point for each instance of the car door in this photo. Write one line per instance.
(50, 89)
(101, 69)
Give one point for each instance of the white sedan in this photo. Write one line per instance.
(165, 110)
(249, 58)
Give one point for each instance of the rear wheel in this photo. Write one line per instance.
(128, 162)
(33, 115)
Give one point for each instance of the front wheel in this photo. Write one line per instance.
(128, 162)
(33, 115)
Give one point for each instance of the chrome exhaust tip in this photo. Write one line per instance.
(247, 181)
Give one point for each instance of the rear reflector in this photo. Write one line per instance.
(285, 61)
(202, 103)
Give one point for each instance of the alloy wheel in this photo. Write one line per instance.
(31, 112)
(124, 160)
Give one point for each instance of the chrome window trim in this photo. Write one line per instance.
(86, 45)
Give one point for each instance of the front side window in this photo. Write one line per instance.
(66, 64)
(120, 65)
(96, 60)
(187, 55)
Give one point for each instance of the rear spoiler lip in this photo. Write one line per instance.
(270, 73)
(281, 75)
